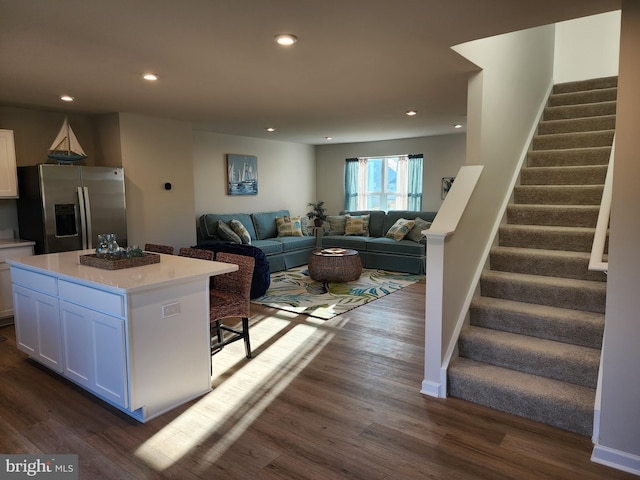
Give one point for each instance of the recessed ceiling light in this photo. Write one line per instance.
(411, 113)
(67, 98)
(270, 129)
(286, 39)
(152, 77)
(328, 138)
(457, 125)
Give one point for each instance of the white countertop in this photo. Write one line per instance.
(170, 269)
(15, 242)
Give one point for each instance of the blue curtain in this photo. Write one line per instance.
(351, 184)
(414, 200)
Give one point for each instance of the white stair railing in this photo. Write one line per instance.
(596, 262)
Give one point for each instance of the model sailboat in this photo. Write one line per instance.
(66, 148)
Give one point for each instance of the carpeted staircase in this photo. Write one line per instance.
(533, 345)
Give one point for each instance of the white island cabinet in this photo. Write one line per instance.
(138, 337)
(9, 248)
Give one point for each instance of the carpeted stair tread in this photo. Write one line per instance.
(589, 84)
(551, 263)
(573, 140)
(538, 356)
(552, 291)
(569, 156)
(563, 175)
(553, 323)
(558, 194)
(565, 112)
(545, 400)
(582, 97)
(558, 215)
(583, 124)
(549, 237)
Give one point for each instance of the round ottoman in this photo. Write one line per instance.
(335, 265)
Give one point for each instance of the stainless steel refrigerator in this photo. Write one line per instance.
(65, 207)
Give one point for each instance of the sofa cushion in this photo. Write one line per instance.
(391, 246)
(209, 224)
(241, 231)
(226, 233)
(289, 226)
(265, 223)
(290, 244)
(415, 234)
(345, 241)
(357, 225)
(376, 220)
(337, 224)
(400, 228)
(269, 247)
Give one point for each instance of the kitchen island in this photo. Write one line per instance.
(9, 248)
(138, 338)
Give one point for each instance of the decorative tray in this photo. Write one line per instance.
(333, 251)
(92, 260)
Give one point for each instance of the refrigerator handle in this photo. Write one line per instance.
(83, 221)
(87, 203)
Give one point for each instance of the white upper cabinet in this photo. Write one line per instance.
(8, 176)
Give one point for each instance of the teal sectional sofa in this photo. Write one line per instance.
(375, 249)
(282, 253)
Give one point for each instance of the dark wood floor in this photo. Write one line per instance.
(335, 399)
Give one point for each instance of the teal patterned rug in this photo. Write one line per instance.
(294, 291)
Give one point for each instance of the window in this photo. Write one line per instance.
(384, 183)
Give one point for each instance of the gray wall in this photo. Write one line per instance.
(443, 156)
(504, 100)
(34, 131)
(620, 408)
(286, 174)
(156, 151)
(596, 52)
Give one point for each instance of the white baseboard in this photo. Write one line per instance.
(617, 459)
(430, 388)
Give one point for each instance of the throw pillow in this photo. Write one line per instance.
(357, 225)
(400, 229)
(226, 233)
(416, 232)
(289, 226)
(240, 230)
(336, 224)
(304, 222)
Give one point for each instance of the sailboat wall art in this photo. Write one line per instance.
(242, 174)
(66, 148)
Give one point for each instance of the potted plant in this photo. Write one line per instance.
(317, 213)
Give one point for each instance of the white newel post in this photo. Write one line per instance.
(433, 385)
(445, 224)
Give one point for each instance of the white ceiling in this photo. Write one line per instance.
(357, 67)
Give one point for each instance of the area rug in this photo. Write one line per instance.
(294, 291)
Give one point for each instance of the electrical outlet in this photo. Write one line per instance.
(170, 309)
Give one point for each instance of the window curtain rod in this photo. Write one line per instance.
(413, 155)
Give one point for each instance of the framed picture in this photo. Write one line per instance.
(242, 174)
(447, 182)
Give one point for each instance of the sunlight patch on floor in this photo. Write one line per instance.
(242, 389)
